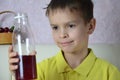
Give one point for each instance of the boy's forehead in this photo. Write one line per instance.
(68, 10)
(64, 15)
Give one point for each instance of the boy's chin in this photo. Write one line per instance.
(67, 50)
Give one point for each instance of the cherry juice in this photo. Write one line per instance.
(26, 68)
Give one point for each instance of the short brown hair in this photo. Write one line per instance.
(83, 6)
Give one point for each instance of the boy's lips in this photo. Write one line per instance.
(66, 43)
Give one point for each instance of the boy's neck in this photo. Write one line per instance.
(75, 59)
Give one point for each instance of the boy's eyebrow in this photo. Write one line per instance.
(53, 25)
(73, 21)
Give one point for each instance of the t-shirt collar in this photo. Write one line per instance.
(62, 65)
(84, 68)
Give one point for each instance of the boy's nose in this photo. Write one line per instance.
(63, 34)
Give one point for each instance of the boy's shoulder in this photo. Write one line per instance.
(52, 59)
(105, 65)
(102, 63)
(47, 61)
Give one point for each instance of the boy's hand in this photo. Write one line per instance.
(13, 59)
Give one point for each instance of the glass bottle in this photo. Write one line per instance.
(23, 44)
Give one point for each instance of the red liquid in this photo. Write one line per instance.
(26, 68)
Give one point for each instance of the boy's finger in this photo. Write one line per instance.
(10, 49)
(14, 60)
(12, 54)
(13, 67)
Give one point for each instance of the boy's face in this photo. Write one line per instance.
(69, 30)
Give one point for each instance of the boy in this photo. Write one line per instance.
(72, 22)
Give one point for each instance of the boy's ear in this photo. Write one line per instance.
(91, 26)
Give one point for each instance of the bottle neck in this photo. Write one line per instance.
(21, 19)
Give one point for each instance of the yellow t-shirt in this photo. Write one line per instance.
(92, 68)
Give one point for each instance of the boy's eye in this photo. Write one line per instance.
(54, 27)
(71, 25)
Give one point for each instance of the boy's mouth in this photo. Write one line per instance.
(66, 43)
